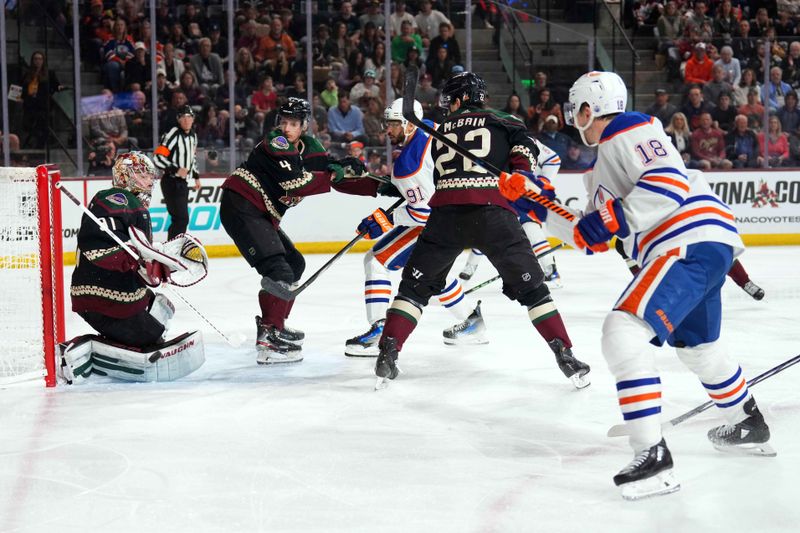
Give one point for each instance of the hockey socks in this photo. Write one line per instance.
(547, 321)
(273, 310)
(401, 319)
(738, 274)
(452, 298)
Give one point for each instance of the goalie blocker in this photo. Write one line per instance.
(91, 354)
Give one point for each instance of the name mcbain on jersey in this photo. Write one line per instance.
(475, 122)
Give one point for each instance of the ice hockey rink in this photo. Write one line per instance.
(469, 439)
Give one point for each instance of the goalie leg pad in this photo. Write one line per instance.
(168, 361)
(75, 360)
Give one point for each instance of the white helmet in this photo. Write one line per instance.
(604, 92)
(395, 112)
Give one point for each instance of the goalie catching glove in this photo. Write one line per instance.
(375, 225)
(595, 229)
(181, 261)
(516, 187)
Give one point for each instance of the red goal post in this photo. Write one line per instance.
(31, 273)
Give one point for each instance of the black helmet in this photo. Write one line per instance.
(185, 110)
(464, 84)
(294, 108)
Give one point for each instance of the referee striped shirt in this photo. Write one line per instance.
(178, 149)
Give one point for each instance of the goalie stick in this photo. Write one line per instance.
(412, 77)
(283, 291)
(234, 340)
(488, 281)
(621, 430)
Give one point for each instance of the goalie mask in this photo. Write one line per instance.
(136, 173)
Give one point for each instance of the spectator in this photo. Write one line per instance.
(661, 108)
(695, 106)
(794, 151)
(94, 31)
(298, 88)
(369, 38)
(296, 27)
(708, 145)
(279, 69)
(193, 14)
(170, 119)
(352, 72)
(777, 144)
(13, 144)
(445, 39)
(698, 67)
(542, 110)
(101, 157)
(345, 122)
(219, 44)
(761, 23)
(717, 85)
(753, 109)
(116, 52)
(330, 95)
(789, 114)
(173, 67)
(670, 28)
(761, 60)
(725, 24)
(139, 122)
(275, 41)
(164, 91)
(731, 65)
(191, 89)
(240, 93)
(356, 149)
(266, 98)
(377, 61)
(697, 18)
(320, 113)
(399, 16)
(741, 145)
(428, 21)
(744, 46)
(39, 83)
(428, 96)
(179, 40)
(681, 137)
(339, 46)
(248, 36)
(257, 125)
(552, 138)
(791, 71)
(396, 82)
(365, 89)
(724, 113)
(776, 90)
(212, 127)
(441, 67)
(574, 159)
(245, 69)
(514, 107)
(374, 14)
(413, 59)
(349, 18)
(208, 67)
(784, 26)
(375, 164)
(373, 123)
(403, 42)
(744, 86)
(242, 126)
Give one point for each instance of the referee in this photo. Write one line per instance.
(177, 157)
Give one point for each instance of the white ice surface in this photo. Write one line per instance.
(468, 439)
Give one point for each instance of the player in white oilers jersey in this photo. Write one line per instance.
(412, 175)
(548, 164)
(685, 240)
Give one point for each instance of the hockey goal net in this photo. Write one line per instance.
(31, 273)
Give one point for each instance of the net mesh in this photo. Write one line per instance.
(21, 329)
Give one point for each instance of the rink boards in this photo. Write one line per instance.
(766, 205)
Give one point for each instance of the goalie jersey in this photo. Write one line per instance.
(666, 206)
(277, 174)
(105, 279)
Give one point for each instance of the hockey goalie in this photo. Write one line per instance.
(112, 286)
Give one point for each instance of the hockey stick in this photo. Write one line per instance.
(283, 291)
(235, 340)
(412, 77)
(621, 430)
(488, 281)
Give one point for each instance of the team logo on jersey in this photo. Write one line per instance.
(280, 142)
(601, 196)
(117, 198)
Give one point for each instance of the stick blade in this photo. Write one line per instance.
(409, 93)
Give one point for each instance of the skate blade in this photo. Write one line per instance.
(382, 383)
(466, 341)
(762, 449)
(580, 381)
(361, 351)
(266, 359)
(658, 485)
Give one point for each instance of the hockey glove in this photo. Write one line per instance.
(515, 185)
(596, 228)
(375, 225)
(337, 172)
(526, 208)
(154, 273)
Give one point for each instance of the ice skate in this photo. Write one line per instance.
(366, 344)
(576, 370)
(748, 437)
(386, 365)
(470, 331)
(272, 349)
(468, 271)
(649, 474)
(754, 290)
(291, 335)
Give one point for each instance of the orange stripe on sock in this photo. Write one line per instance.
(729, 393)
(378, 291)
(445, 298)
(640, 398)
